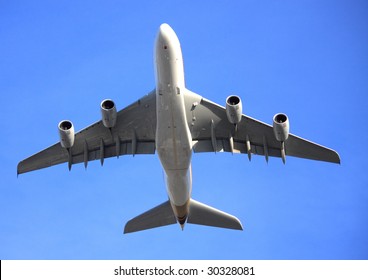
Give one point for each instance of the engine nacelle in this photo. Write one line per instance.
(108, 111)
(234, 109)
(281, 127)
(66, 132)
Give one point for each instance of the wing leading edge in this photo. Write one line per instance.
(133, 134)
(212, 132)
(135, 131)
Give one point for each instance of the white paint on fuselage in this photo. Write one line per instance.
(173, 137)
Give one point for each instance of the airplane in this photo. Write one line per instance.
(175, 122)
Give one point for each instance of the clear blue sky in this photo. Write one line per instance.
(309, 59)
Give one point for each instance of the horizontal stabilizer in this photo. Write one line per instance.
(159, 216)
(202, 214)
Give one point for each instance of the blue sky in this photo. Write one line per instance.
(309, 59)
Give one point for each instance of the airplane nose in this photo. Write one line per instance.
(167, 41)
(166, 33)
(165, 29)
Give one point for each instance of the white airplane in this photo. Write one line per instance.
(174, 121)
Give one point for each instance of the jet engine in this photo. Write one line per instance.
(108, 111)
(66, 132)
(281, 127)
(234, 109)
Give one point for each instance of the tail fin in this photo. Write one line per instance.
(159, 216)
(202, 214)
(199, 214)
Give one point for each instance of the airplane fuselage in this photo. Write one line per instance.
(173, 137)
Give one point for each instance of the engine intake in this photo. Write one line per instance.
(234, 109)
(281, 127)
(108, 112)
(66, 133)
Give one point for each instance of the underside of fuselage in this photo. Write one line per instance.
(173, 138)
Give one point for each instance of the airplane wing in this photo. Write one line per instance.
(212, 132)
(134, 133)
